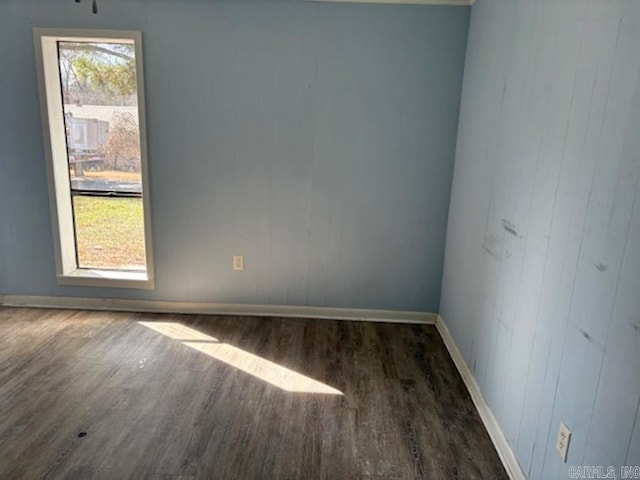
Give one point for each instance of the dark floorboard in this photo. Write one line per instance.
(103, 395)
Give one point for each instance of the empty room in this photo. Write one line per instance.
(346, 239)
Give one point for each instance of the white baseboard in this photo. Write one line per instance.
(157, 306)
(509, 460)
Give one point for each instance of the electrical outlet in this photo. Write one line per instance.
(562, 445)
(238, 262)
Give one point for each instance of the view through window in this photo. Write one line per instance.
(100, 107)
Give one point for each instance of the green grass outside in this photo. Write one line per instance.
(109, 232)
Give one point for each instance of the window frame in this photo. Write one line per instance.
(68, 271)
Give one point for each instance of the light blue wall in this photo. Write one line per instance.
(315, 139)
(541, 285)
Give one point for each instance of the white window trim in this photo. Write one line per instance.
(53, 131)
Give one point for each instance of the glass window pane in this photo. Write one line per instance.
(109, 232)
(100, 105)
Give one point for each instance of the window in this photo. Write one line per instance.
(92, 100)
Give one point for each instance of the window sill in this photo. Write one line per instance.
(106, 278)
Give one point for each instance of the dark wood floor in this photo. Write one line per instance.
(102, 395)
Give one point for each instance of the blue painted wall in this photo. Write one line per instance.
(315, 139)
(541, 286)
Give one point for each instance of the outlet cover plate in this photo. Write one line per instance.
(238, 262)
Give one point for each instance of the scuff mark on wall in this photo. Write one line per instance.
(493, 246)
(510, 227)
(601, 267)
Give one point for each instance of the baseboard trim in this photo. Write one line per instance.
(157, 306)
(509, 460)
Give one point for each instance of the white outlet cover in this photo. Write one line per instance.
(238, 262)
(562, 444)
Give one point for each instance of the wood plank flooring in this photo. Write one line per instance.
(104, 395)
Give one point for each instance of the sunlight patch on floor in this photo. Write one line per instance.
(177, 331)
(265, 370)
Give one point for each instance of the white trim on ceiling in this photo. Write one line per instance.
(457, 3)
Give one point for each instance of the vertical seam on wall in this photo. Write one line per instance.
(493, 316)
(553, 215)
(635, 421)
(498, 138)
(595, 397)
(613, 304)
(564, 341)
